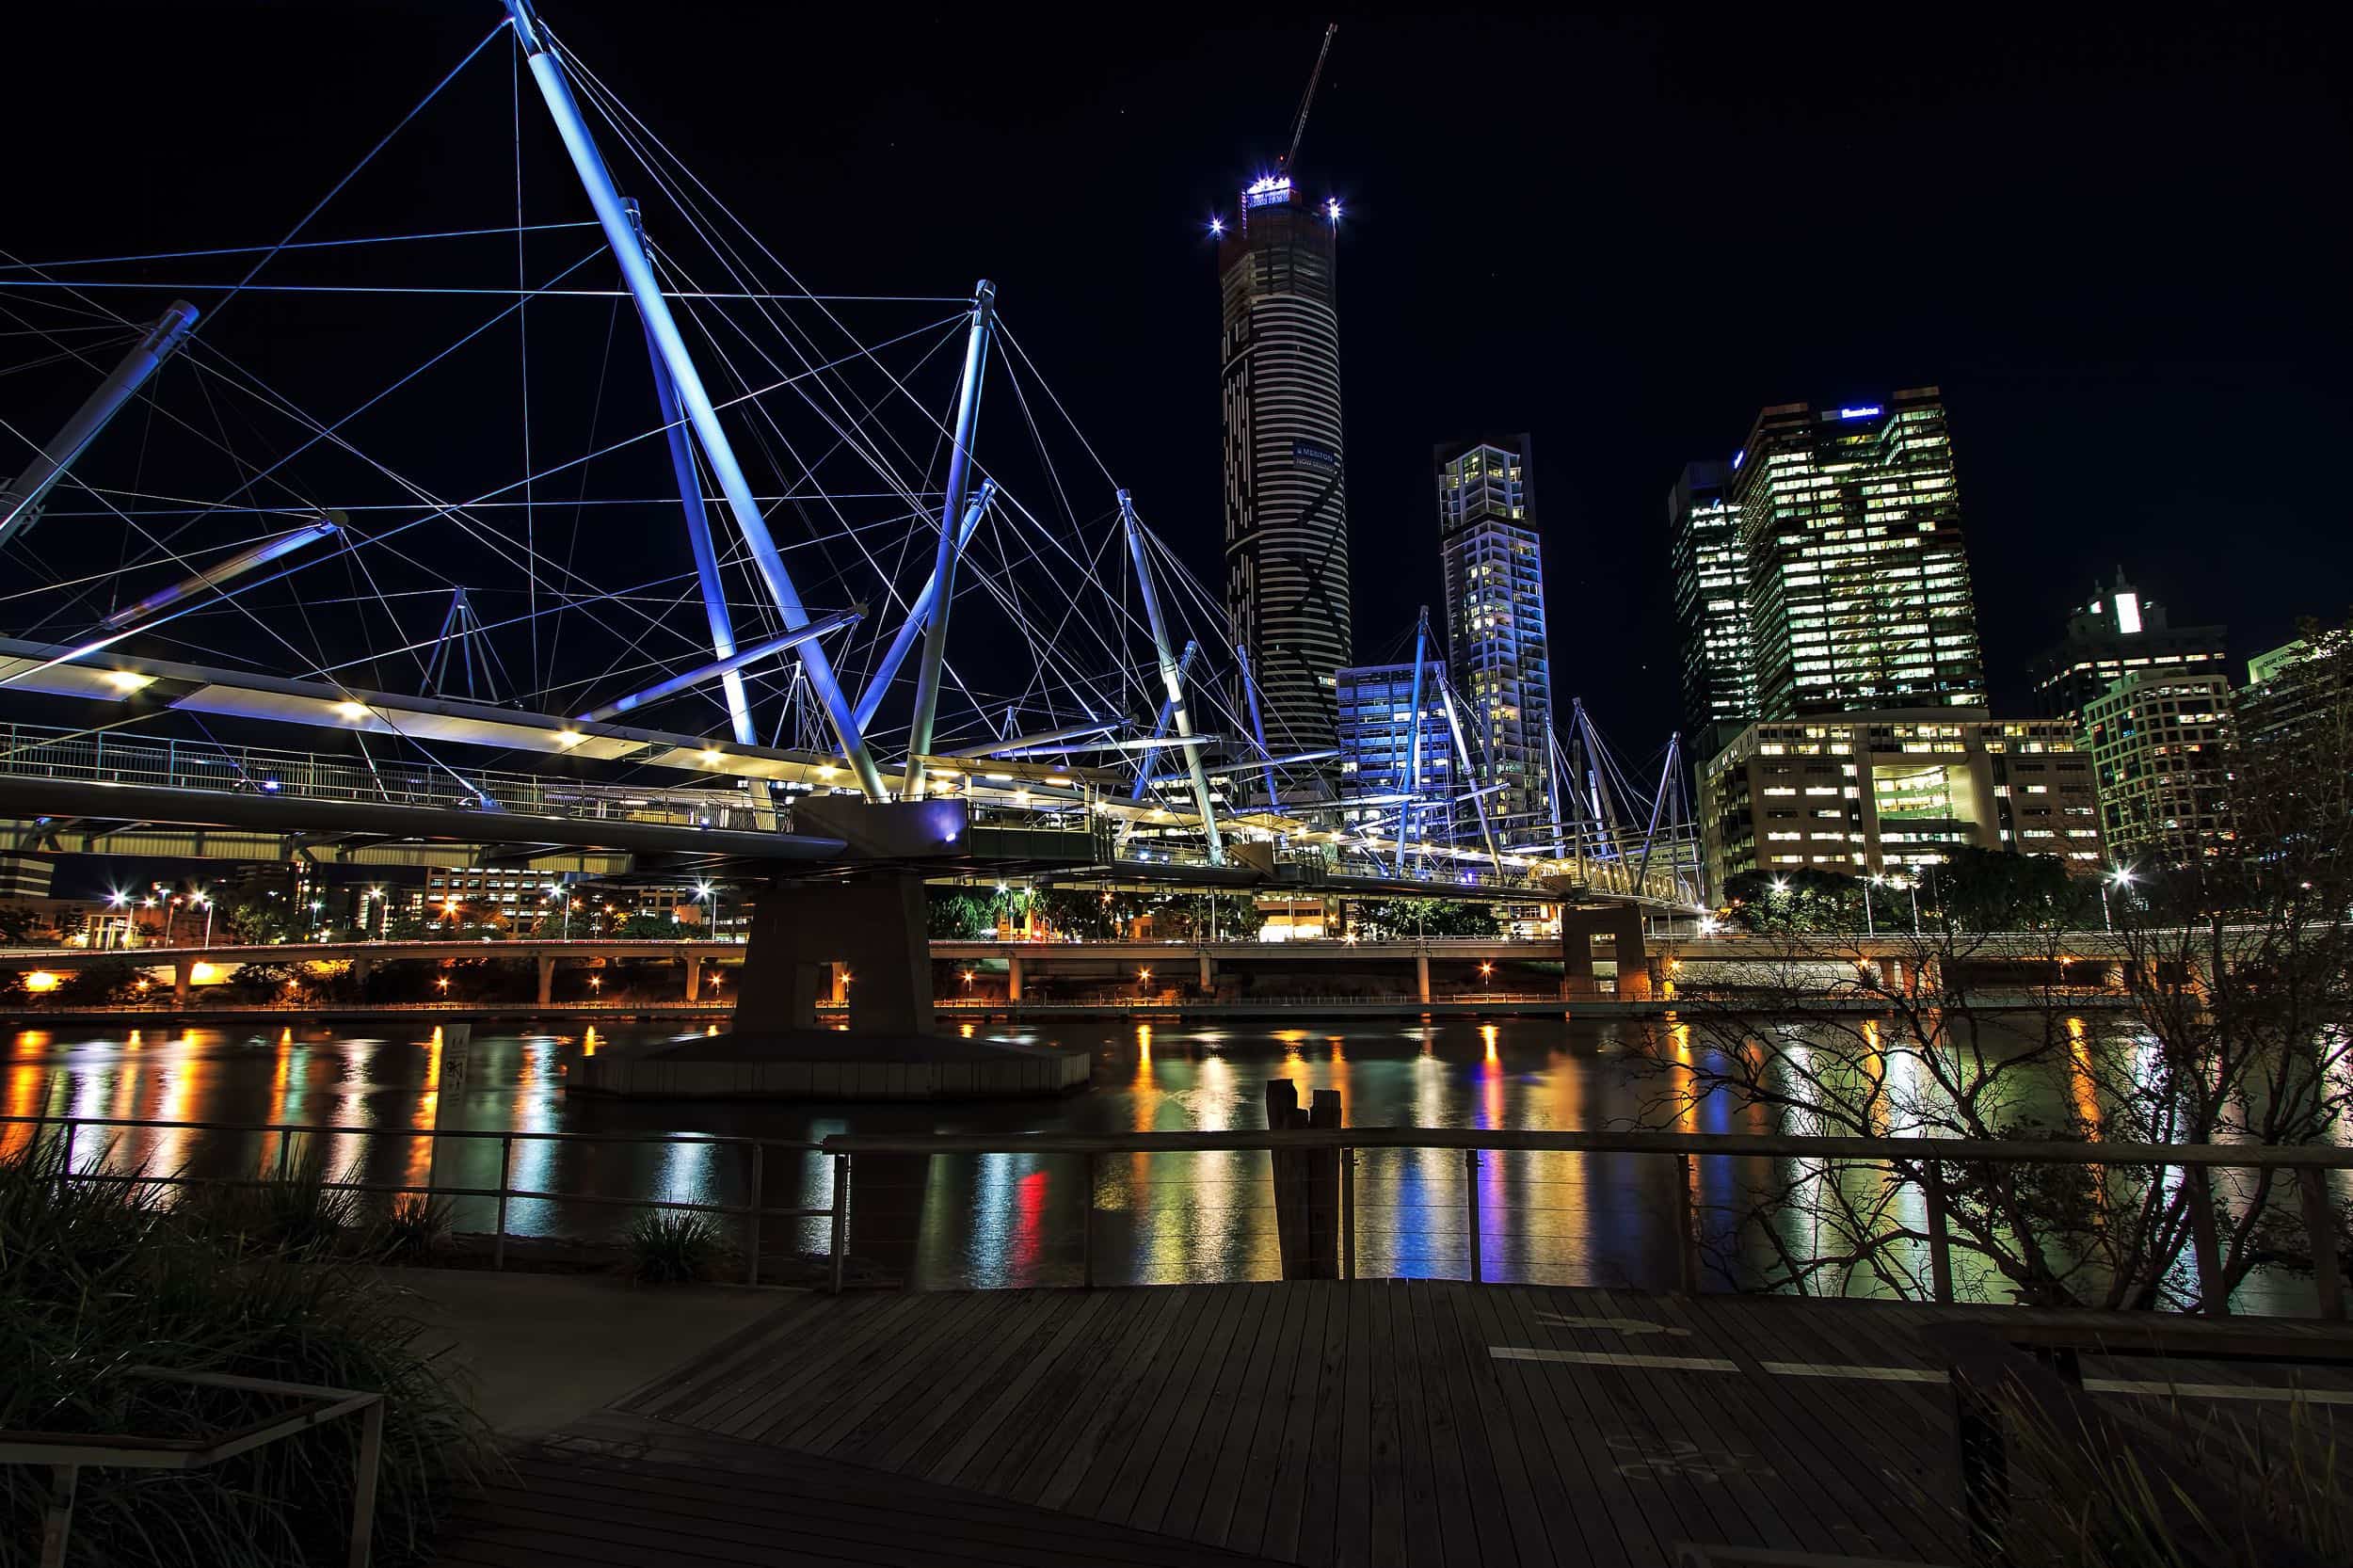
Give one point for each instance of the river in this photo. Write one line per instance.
(991, 1220)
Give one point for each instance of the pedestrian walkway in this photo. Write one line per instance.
(1369, 1423)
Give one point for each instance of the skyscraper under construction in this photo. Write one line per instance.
(1286, 583)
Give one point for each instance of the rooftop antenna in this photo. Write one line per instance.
(1306, 100)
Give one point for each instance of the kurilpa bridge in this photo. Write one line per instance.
(720, 580)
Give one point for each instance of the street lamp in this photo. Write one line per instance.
(442, 984)
(207, 900)
(967, 983)
(2121, 877)
(709, 893)
(1869, 929)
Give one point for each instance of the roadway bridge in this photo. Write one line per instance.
(1641, 973)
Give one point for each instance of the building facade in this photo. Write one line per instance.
(1498, 655)
(2297, 708)
(1287, 578)
(1858, 583)
(1376, 734)
(2118, 634)
(1866, 794)
(1709, 568)
(2160, 745)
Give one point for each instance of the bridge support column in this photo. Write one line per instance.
(694, 978)
(362, 969)
(1208, 974)
(1891, 975)
(183, 972)
(1421, 976)
(869, 931)
(1013, 978)
(1622, 924)
(547, 979)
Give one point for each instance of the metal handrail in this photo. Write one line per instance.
(752, 1213)
(68, 1453)
(1929, 1156)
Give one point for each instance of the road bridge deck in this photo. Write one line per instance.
(1387, 1422)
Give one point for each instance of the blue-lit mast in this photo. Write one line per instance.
(943, 582)
(1409, 824)
(662, 328)
(689, 495)
(20, 503)
(1171, 679)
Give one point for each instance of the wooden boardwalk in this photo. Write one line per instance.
(1373, 1423)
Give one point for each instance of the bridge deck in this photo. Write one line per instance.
(1372, 1423)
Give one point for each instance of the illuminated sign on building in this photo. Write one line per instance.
(1270, 190)
(1865, 412)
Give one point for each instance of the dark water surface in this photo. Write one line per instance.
(985, 1220)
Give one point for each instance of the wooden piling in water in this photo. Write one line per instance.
(1306, 1184)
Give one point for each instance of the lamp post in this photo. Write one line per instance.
(1869, 929)
(709, 893)
(171, 913)
(1913, 885)
(207, 900)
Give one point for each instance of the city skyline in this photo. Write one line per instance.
(2021, 351)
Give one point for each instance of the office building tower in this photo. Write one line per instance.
(1710, 570)
(1497, 652)
(1287, 586)
(2297, 712)
(1859, 587)
(2119, 633)
(1376, 735)
(2160, 746)
(1863, 793)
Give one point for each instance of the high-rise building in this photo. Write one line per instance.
(1858, 586)
(1287, 586)
(2119, 633)
(1376, 734)
(1710, 569)
(2160, 746)
(2296, 711)
(1497, 652)
(1862, 793)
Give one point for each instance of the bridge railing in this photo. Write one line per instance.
(172, 763)
(91, 1149)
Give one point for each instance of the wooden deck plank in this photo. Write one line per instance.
(1351, 1501)
(1470, 1510)
(977, 1422)
(912, 1378)
(1561, 1489)
(1206, 1481)
(1057, 1469)
(1089, 1486)
(1242, 1474)
(1175, 1458)
(1512, 1528)
(922, 1441)
(1589, 1422)
(1833, 1515)
(1052, 1413)
(1120, 1493)
(1314, 1363)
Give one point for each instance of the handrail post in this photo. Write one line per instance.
(65, 1167)
(506, 1161)
(2320, 1225)
(1940, 1236)
(1687, 1230)
(751, 1251)
(840, 1219)
(1086, 1223)
(363, 1484)
(1471, 1209)
(1348, 1213)
(2212, 1300)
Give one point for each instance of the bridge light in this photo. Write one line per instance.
(353, 710)
(568, 737)
(127, 682)
(40, 979)
(710, 757)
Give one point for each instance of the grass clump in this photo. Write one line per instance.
(417, 1229)
(671, 1248)
(99, 1276)
(2265, 1486)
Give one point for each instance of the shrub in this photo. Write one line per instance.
(666, 1247)
(95, 1277)
(293, 1212)
(416, 1229)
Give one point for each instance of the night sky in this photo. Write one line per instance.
(2120, 246)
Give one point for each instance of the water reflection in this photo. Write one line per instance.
(1008, 1219)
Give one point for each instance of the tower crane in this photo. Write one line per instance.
(1306, 100)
